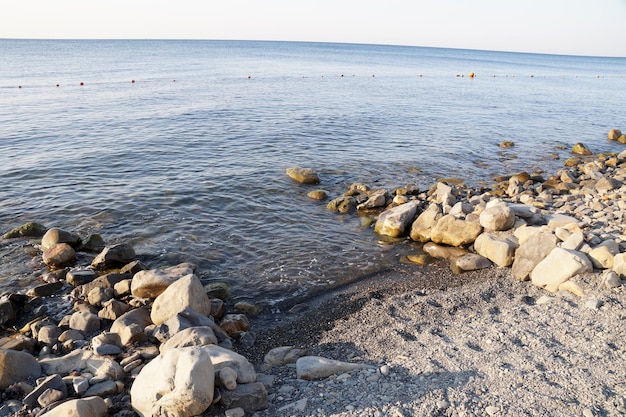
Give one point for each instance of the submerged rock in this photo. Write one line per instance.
(303, 175)
(31, 229)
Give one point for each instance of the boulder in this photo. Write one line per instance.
(422, 226)
(497, 247)
(443, 252)
(59, 255)
(179, 383)
(559, 266)
(130, 326)
(114, 256)
(614, 134)
(342, 204)
(192, 336)
(31, 229)
(83, 407)
(497, 217)
(151, 283)
(187, 292)
(303, 175)
(16, 366)
(455, 232)
(532, 251)
(393, 222)
(55, 236)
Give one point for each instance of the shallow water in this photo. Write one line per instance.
(187, 163)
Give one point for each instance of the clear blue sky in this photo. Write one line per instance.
(590, 27)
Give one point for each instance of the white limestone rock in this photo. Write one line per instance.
(497, 247)
(152, 282)
(179, 383)
(83, 407)
(316, 367)
(559, 266)
(394, 222)
(497, 217)
(187, 292)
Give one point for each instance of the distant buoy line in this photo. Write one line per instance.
(470, 75)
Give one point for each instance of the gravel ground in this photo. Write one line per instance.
(475, 344)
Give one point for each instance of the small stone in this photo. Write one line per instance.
(580, 149)
(384, 370)
(491, 410)
(317, 195)
(235, 412)
(59, 255)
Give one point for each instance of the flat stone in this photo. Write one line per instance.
(83, 407)
(559, 266)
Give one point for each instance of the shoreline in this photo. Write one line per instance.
(457, 332)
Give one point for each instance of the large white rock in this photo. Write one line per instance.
(455, 232)
(532, 251)
(179, 383)
(421, 227)
(559, 266)
(16, 366)
(187, 292)
(394, 222)
(151, 283)
(498, 248)
(130, 326)
(560, 220)
(497, 217)
(82, 407)
(602, 256)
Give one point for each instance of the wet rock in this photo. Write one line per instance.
(31, 229)
(342, 204)
(317, 195)
(59, 255)
(45, 290)
(395, 221)
(17, 366)
(377, 199)
(580, 149)
(80, 276)
(55, 236)
(614, 134)
(186, 292)
(443, 252)
(92, 244)
(303, 175)
(151, 283)
(179, 383)
(114, 256)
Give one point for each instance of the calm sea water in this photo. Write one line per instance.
(187, 163)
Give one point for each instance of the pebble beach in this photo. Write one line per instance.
(508, 301)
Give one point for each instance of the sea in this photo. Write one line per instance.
(180, 147)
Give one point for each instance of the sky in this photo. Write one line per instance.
(571, 27)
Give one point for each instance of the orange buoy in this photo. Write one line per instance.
(472, 75)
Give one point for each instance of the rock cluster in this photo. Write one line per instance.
(547, 231)
(114, 336)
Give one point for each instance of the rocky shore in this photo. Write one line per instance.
(510, 303)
